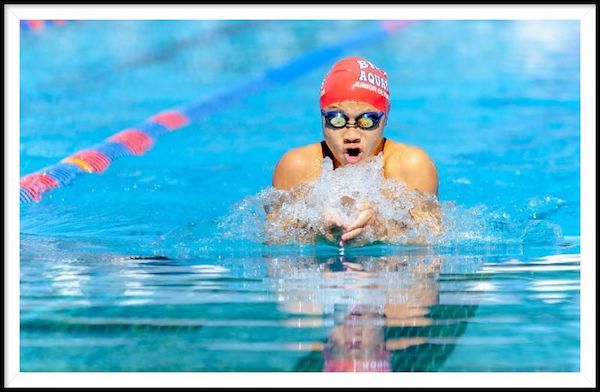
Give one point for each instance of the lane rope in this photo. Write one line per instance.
(37, 24)
(138, 139)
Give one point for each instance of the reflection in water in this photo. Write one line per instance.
(357, 345)
(385, 311)
(376, 311)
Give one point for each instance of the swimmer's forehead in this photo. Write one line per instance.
(350, 105)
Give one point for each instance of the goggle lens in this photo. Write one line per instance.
(336, 119)
(365, 122)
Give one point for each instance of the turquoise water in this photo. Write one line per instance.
(136, 269)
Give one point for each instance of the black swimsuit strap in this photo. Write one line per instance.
(327, 152)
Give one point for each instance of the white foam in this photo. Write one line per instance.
(300, 213)
(336, 192)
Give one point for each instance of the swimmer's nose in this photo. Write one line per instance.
(351, 139)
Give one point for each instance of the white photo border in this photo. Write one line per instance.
(585, 13)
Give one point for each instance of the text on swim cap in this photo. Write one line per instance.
(371, 87)
(366, 64)
(371, 77)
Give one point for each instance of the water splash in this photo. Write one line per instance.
(297, 216)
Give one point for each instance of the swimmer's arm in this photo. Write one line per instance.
(426, 212)
(418, 172)
(414, 168)
(291, 172)
(298, 166)
(291, 175)
(282, 229)
(279, 228)
(294, 173)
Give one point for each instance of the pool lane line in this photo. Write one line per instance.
(175, 46)
(38, 24)
(140, 138)
(164, 53)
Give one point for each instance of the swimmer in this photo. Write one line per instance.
(355, 106)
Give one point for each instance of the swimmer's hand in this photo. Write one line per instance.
(334, 227)
(366, 214)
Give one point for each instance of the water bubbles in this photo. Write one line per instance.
(541, 232)
(403, 216)
(301, 215)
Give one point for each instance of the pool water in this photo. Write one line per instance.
(157, 265)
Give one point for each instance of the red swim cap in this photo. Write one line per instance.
(356, 79)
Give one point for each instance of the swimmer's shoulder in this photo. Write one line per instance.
(297, 166)
(411, 165)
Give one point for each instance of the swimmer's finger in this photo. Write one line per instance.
(337, 222)
(347, 236)
(332, 219)
(329, 236)
(361, 221)
(333, 224)
(329, 215)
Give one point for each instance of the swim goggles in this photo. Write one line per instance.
(336, 119)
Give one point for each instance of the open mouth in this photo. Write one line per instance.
(352, 155)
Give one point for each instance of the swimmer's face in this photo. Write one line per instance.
(356, 338)
(352, 144)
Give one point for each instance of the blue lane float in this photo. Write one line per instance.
(140, 138)
(63, 173)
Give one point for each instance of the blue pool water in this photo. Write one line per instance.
(154, 265)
